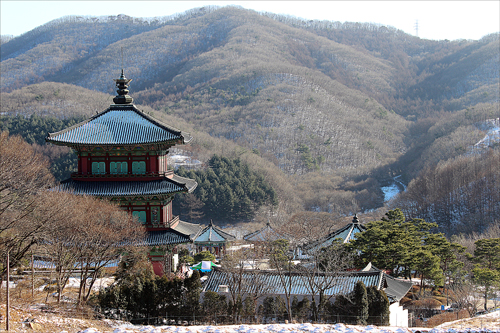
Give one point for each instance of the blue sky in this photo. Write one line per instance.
(436, 19)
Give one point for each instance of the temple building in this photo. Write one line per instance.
(214, 240)
(122, 157)
(344, 235)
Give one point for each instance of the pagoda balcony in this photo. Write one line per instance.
(165, 225)
(122, 177)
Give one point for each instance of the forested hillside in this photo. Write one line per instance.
(326, 111)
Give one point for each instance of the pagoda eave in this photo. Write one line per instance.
(112, 189)
(150, 146)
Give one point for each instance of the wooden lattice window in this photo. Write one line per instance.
(141, 215)
(98, 168)
(118, 167)
(138, 167)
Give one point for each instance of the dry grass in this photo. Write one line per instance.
(446, 317)
(46, 314)
(477, 323)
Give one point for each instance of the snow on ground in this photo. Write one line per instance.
(100, 283)
(390, 191)
(487, 323)
(58, 323)
(307, 327)
(283, 328)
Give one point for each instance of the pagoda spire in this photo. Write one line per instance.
(122, 85)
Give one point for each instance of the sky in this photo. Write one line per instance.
(437, 20)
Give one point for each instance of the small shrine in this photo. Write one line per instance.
(122, 157)
(213, 239)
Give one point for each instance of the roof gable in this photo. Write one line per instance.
(212, 234)
(263, 235)
(345, 234)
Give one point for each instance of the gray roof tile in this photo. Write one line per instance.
(120, 188)
(395, 289)
(118, 125)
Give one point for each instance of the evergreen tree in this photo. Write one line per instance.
(360, 301)
(392, 243)
(378, 307)
(228, 190)
(192, 294)
(487, 269)
(215, 307)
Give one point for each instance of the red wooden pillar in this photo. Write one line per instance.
(154, 163)
(129, 163)
(108, 170)
(148, 214)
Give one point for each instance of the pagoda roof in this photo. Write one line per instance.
(120, 124)
(163, 237)
(127, 188)
(187, 228)
(212, 234)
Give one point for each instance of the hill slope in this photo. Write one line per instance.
(324, 100)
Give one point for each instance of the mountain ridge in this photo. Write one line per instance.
(345, 101)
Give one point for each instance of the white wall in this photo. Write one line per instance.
(398, 316)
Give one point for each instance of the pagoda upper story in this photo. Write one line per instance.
(122, 157)
(120, 142)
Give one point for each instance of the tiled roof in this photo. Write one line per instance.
(345, 234)
(394, 288)
(189, 183)
(343, 284)
(212, 234)
(118, 125)
(263, 235)
(299, 283)
(163, 237)
(186, 228)
(123, 188)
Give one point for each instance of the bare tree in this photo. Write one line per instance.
(105, 232)
(304, 227)
(281, 260)
(465, 296)
(90, 234)
(244, 281)
(23, 176)
(325, 270)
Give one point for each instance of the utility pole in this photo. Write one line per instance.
(32, 276)
(7, 304)
(416, 28)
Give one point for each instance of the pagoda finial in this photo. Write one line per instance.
(355, 219)
(122, 85)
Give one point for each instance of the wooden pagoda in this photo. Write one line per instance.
(122, 157)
